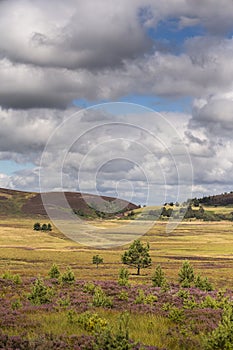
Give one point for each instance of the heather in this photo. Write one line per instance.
(68, 313)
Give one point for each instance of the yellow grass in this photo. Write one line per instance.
(209, 247)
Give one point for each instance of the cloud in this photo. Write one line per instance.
(52, 53)
(71, 34)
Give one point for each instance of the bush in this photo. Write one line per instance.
(14, 278)
(54, 271)
(40, 294)
(145, 299)
(186, 274)
(92, 322)
(176, 314)
(101, 299)
(222, 337)
(68, 276)
(123, 277)
(158, 278)
(89, 287)
(203, 283)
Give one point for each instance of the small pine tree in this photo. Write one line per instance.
(123, 277)
(158, 278)
(137, 255)
(68, 276)
(40, 294)
(186, 274)
(97, 259)
(54, 271)
(44, 227)
(37, 226)
(203, 283)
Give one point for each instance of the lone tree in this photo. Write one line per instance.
(137, 255)
(97, 260)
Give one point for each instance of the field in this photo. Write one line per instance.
(156, 315)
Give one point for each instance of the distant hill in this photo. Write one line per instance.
(217, 200)
(18, 203)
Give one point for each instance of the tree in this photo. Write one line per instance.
(186, 274)
(49, 227)
(97, 259)
(137, 256)
(54, 271)
(158, 278)
(123, 277)
(44, 227)
(36, 226)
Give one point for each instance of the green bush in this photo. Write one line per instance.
(123, 296)
(40, 294)
(123, 277)
(140, 298)
(16, 304)
(54, 272)
(68, 276)
(186, 274)
(222, 337)
(176, 314)
(145, 299)
(203, 283)
(11, 277)
(101, 299)
(158, 278)
(89, 287)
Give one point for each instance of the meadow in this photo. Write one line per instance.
(93, 307)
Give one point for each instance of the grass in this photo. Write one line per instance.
(144, 328)
(209, 246)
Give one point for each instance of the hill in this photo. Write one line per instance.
(17, 203)
(223, 199)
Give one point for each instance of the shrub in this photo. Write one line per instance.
(89, 287)
(203, 283)
(158, 278)
(68, 276)
(221, 338)
(123, 277)
(14, 278)
(16, 304)
(123, 296)
(92, 322)
(186, 274)
(40, 294)
(140, 297)
(54, 271)
(176, 314)
(101, 299)
(145, 299)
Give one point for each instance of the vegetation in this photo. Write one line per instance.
(97, 259)
(44, 227)
(170, 317)
(186, 274)
(158, 278)
(123, 277)
(137, 256)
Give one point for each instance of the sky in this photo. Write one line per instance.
(130, 98)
